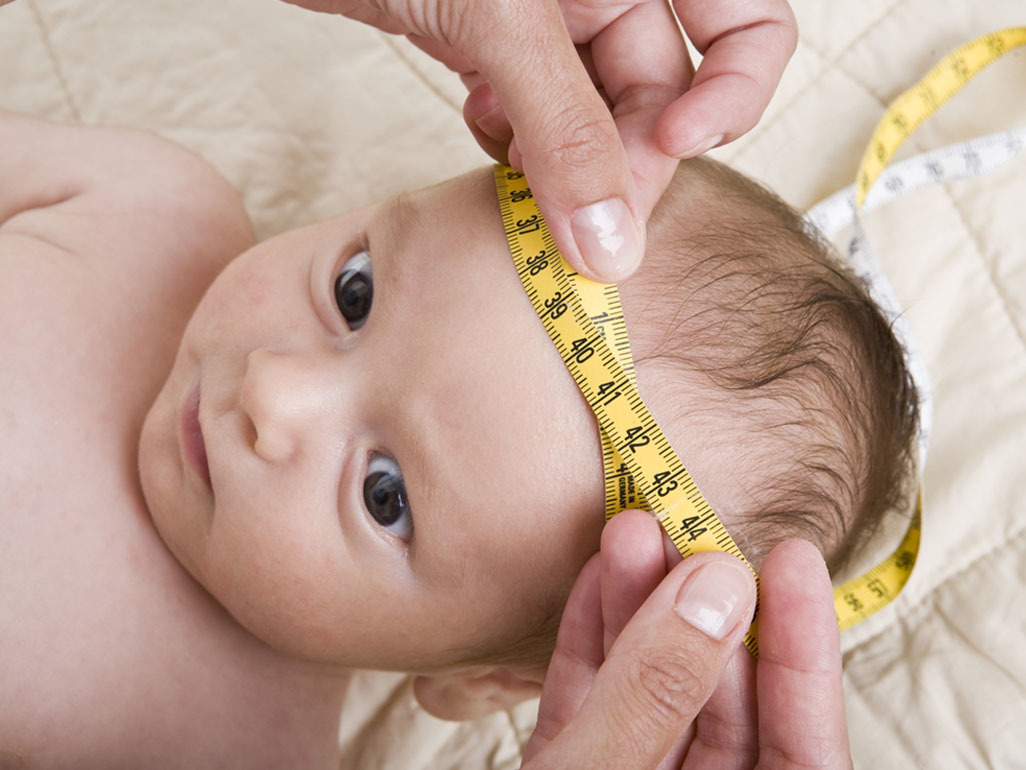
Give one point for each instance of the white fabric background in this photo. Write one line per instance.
(309, 115)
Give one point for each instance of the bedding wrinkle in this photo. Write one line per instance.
(968, 712)
(520, 738)
(828, 63)
(58, 71)
(1015, 540)
(988, 270)
(901, 744)
(955, 626)
(399, 698)
(405, 59)
(929, 655)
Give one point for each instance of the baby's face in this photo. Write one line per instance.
(388, 481)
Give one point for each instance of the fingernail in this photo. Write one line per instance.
(608, 239)
(698, 148)
(712, 599)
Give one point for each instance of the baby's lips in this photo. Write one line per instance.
(192, 437)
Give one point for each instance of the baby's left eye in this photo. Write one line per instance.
(354, 290)
(384, 494)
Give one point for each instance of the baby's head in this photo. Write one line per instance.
(407, 478)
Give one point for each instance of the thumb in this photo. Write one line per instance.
(564, 135)
(661, 670)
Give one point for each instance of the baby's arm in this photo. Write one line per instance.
(52, 174)
(111, 655)
(119, 229)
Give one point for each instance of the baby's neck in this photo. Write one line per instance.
(286, 708)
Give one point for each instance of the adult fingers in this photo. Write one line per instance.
(746, 46)
(634, 560)
(575, 660)
(800, 695)
(726, 731)
(565, 135)
(440, 50)
(487, 122)
(484, 114)
(643, 65)
(357, 10)
(661, 670)
(632, 566)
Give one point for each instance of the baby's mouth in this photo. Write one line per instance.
(193, 445)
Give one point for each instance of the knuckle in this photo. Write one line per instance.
(667, 683)
(455, 25)
(577, 143)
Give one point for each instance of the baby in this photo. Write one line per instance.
(366, 452)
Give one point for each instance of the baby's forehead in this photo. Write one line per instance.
(469, 200)
(510, 446)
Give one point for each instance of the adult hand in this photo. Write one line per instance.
(595, 99)
(669, 686)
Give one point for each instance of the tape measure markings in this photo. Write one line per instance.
(964, 160)
(910, 109)
(671, 493)
(640, 465)
(860, 597)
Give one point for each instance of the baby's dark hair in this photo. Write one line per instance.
(771, 370)
(780, 345)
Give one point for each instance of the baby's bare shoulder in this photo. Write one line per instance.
(108, 238)
(107, 241)
(112, 202)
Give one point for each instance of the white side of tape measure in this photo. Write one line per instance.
(965, 160)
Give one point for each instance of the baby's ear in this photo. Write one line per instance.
(469, 695)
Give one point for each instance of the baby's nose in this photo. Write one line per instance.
(287, 397)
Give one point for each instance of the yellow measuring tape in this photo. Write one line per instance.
(585, 321)
(906, 113)
(641, 467)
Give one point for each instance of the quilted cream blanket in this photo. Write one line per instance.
(309, 115)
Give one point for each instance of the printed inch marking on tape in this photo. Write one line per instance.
(585, 322)
(861, 597)
(634, 442)
(908, 111)
(964, 160)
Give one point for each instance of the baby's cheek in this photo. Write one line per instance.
(271, 601)
(566, 525)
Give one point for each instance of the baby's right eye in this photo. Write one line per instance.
(354, 290)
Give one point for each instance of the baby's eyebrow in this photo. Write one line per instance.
(397, 218)
(389, 240)
(428, 462)
(390, 235)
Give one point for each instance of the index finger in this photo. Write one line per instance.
(662, 668)
(745, 45)
(575, 661)
(568, 143)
